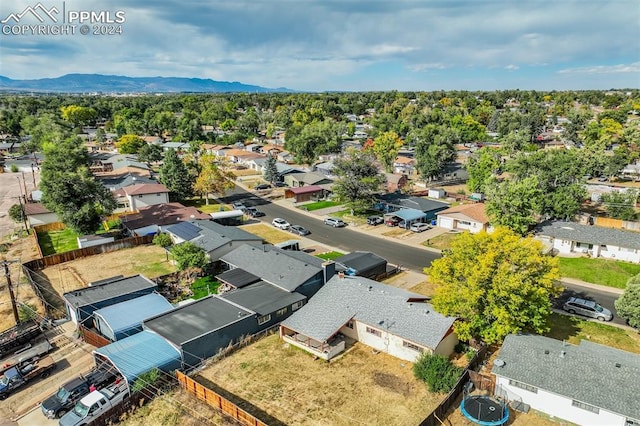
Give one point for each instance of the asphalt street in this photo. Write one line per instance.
(398, 254)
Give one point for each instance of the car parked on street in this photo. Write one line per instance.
(588, 308)
(253, 212)
(419, 227)
(239, 206)
(375, 220)
(263, 186)
(335, 222)
(280, 223)
(300, 230)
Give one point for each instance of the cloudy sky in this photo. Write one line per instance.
(355, 45)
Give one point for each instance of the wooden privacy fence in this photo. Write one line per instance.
(608, 222)
(93, 338)
(217, 401)
(53, 226)
(54, 259)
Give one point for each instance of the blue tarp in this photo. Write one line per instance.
(122, 319)
(410, 215)
(139, 354)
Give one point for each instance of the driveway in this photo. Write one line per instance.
(11, 188)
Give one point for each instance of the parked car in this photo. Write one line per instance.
(253, 212)
(280, 223)
(336, 223)
(280, 185)
(375, 220)
(263, 186)
(419, 227)
(297, 229)
(392, 221)
(238, 206)
(588, 308)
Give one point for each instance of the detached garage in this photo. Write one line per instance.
(122, 320)
(363, 264)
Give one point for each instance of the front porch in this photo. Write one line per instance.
(326, 350)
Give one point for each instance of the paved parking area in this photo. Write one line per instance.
(11, 187)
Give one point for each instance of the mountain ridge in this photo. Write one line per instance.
(82, 83)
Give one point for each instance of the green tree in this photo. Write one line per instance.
(188, 255)
(314, 139)
(162, 240)
(358, 179)
(43, 129)
(437, 372)
(496, 284)
(16, 213)
(481, 167)
(175, 176)
(270, 172)
(78, 115)
(514, 203)
(621, 205)
(130, 144)
(150, 153)
(628, 304)
(386, 147)
(215, 177)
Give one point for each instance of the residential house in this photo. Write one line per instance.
(305, 193)
(363, 263)
(258, 163)
(215, 239)
(217, 150)
(38, 214)
(124, 319)
(466, 217)
(285, 157)
(295, 180)
(585, 384)
(396, 182)
(81, 303)
(151, 219)
(144, 195)
(570, 237)
(325, 168)
(178, 147)
(114, 183)
(404, 165)
(392, 202)
(285, 269)
(388, 319)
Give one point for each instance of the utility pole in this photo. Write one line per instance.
(23, 208)
(24, 182)
(7, 274)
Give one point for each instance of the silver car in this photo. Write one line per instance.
(588, 308)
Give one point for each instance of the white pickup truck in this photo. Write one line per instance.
(95, 404)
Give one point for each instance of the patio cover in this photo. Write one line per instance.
(409, 215)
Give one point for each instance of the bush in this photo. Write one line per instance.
(16, 213)
(437, 372)
(27, 311)
(163, 240)
(145, 380)
(14, 168)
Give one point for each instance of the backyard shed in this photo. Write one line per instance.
(201, 329)
(363, 263)
(124, 319)
(139, 354)
(82, 302)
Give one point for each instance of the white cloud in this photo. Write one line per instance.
(603, 69)
(512, 67)
(427, 66)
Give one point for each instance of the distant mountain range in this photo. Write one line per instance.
(83, 83)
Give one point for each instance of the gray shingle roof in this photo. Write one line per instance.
(360, 260)
(272, 266)
(263, 298)
(589, 234)
(90, 295)
(587, 372)
(372, 303)
(184, 230)
(238, 277)
(403, 200)
(210, 235)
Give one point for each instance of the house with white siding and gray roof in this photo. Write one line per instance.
(587, 384)
(596, 241)
(388, 319)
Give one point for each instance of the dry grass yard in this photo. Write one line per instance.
(269, 233)
(358, 388)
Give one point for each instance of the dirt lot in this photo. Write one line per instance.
(358, 388)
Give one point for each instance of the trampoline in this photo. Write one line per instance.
(484, 410)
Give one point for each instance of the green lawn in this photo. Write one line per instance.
(319, 205)
(202, 287)
(610, 273)
(442, 241)
(330, 255)
(53, 242)
(573, 329)
(201, 205)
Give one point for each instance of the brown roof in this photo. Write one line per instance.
(145, 188)
(35, 208)
(404, 160)
(161, 214)
(475, 212)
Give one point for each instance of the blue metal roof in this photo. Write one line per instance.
(410, 214)
(141, 353)
(130, 314)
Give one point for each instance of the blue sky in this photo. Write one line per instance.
(354, 45)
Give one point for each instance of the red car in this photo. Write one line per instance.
(392, 221)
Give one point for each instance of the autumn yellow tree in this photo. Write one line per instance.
(386, 147)
(214, 177)
(496, 284)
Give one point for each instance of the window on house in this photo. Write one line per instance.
(139, 196)
(350, 324)
(264, 319)
(523, 386)
(297, 305)
(411, 346)
(462, 222)
(281, 312)
(374, 331)
(586, 407)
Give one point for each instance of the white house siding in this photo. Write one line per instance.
(72, 314)
(144, 200)
(560, 406)
(447, 345)
(607, 252)
(620, 253)
(446, 222)
(563, 246)
(42, 219)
